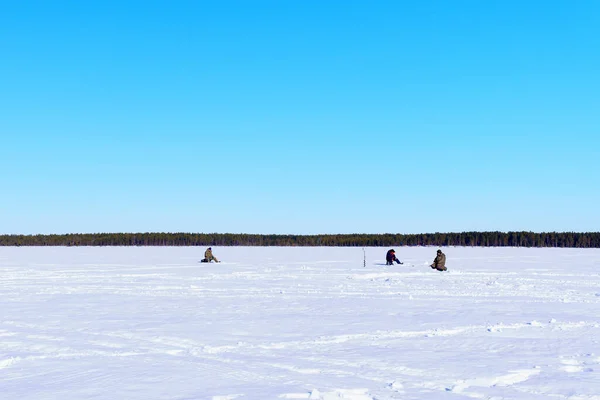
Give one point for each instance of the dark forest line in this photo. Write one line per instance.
(485, 239)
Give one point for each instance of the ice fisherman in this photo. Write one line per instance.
(390, 257)
(439, 262)
(208, 256)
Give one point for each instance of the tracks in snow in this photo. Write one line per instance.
(303, 329)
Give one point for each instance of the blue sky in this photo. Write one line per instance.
(299, 117)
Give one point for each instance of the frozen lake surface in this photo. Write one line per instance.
(146, 323)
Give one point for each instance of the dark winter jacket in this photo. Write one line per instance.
(390, 256)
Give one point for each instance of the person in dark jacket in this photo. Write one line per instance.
(439, 262)
(390, 257)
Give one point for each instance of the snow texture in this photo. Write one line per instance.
(299, 323)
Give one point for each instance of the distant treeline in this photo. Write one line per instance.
(493, 239)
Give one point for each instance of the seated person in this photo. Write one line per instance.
(440, 262)
(208, 256)
(390, 257)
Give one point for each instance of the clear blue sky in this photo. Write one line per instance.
(299, 116)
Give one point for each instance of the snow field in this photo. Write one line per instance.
(299, 323)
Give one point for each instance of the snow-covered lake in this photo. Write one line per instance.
(146, 323)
